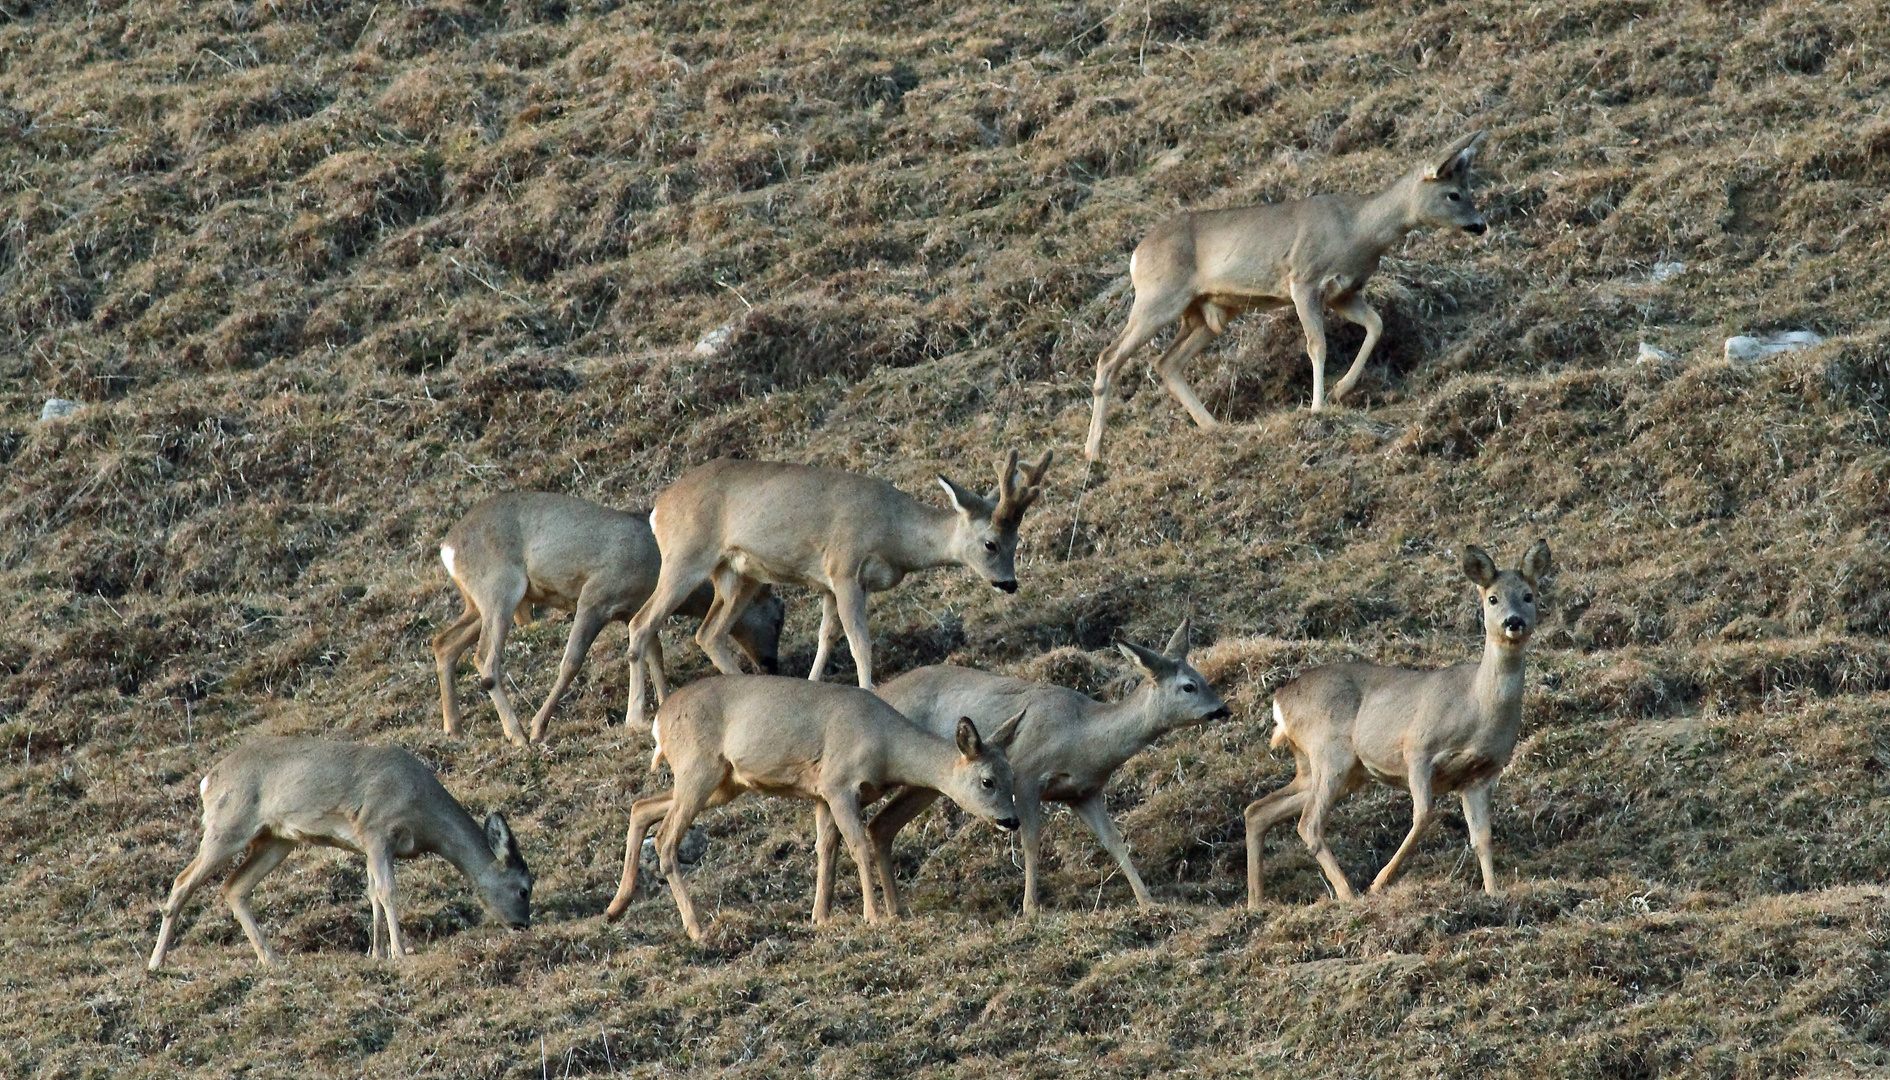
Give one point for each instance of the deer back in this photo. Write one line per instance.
(562, 544)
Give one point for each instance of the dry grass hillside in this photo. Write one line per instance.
(326, 272)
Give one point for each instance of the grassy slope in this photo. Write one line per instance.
(329, 271)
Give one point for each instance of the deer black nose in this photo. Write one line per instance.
(1009, 823)
(1221, 713)
(1477, 229)
(1007, 586)
(1514, 624)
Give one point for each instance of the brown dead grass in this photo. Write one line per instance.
(327, 273)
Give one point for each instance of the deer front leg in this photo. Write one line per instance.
(1418, 775)
(1355, 310)
(1096, 816)
(844, 806)
(586, 624)
(1030, 832)
(1312, 319)
(826, 844)
(1476, 818)
(895, 815)
(850, 598)
(829, 630)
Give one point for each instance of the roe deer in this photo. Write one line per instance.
(1432, 732)
(740, 524)
(534, 547)
(728, 735)
(1065, 753)
(1208, 266)
(272, 795)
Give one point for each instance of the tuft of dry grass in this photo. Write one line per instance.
(326, 274)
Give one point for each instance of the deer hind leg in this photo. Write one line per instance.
(448, 646)
(265, 854)
(1322, 794)
(829, 630)
(1262, 815)
(673, 585)
(1355, 310)
(1194, 335)
(586, 624)
(899, 811)
(495, 623)
(1095, 815)
(1150, 313)
(732, 595)
(1418, 777)
(1476, 818)
(643, 814)
(696, 790)
(214, 852)
(826, 844)
(1312, 319)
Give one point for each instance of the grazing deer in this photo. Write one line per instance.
(838, 745)
(272, 795)
(534, 547)
(740, 524)
(1208, 266)
(1067, 751)
(1433, 732)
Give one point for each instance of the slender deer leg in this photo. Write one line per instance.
(1328, 787)
(826, 843)
(1262, 815)
(898, 811)
(496, 622)
(1193, 336)
(659, 679)
(265, 854)
(1419, 778)
(844, 806)
(1354, 309)
(448, 646)
(1476, 816)
(732, 595)
(829, 630)
(1096, 816)
(696, 790)
(213, 854)
(643, 814)
(850, 598)
(586, 624)
(673, 585)
(1030, 832)
(1313, 320)
(1146, 318)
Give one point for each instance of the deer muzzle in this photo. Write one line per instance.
(1221, 713)
(1007, 586)
(1477, 228)
(1009, 824)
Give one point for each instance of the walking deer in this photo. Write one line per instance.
(741, 524)
(272, 795)
(838, 745)
(534, 547)
(1314, 254)
(1432, 732)
(1065, 753)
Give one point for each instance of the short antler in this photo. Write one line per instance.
(1015, 498)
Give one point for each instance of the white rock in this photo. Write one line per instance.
(714, 342)
(58, 409)
(1751, 348)
(1650, 355)
(1664, 271)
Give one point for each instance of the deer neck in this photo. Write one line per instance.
(928, 543)
(918, 758)
(1122, 729)
(458, 839)
(1384, 219)
(1499, 680)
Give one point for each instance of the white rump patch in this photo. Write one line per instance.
(1279, 718)
(203, 786)
(446, 556)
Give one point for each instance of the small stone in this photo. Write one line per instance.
(1650, 355)
(1665, 271)
(58, 409)
(695, 843)
(1744, 348)
(715, 342)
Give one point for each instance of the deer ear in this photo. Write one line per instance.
(1178, 641)
(500, 839)
(969, 744)
(965, 502)
(1536, 565)
(1148, 660)
(1006, 733)
(1455, 160)
(1478, 566)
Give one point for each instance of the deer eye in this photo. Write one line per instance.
(1492, 601)
(988, 782)
(1454, 197)
(1188, 688)
(1528, 598)
(990, 545)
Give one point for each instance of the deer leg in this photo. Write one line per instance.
(496, 622)
(696, 790)
(1355, 310)
(732, 594)
(643, 814)
(1146, 319)
(894, 816)
(1030, 833)
(843, 806)
(1262, 815)
(850, 598)
(1312, 319)
(1096, 816)
(213, 854)
(1419, 779)
(829, 630)
(1322, 794)
(1194, 335)
(826, 843)
(265, 854)
(380, 871)
(1476, 817)
(586, 624)
(674, 583)
(448, 646)
(659, 679)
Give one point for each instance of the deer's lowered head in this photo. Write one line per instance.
(981, 779)
(758, 631)
(1437, 194)
(985, 540)
(504, 884)
(1508, 597)
(1182, 696)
